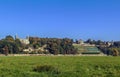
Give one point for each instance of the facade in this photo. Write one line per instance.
(38, 50)
(24, 41)
(28, 50)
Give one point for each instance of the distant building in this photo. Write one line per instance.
(109, 43)
(79, 42)
(82, 43)
(24, 41)
(37, 50)
(28, 50)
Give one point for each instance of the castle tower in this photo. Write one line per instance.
(16, 36)
(27, 37)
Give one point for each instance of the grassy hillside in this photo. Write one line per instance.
(62, 66)
(87, 49)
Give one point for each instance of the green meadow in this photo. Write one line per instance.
(59, 66)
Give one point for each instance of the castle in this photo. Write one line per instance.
(24, 41)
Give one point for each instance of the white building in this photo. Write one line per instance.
(24, 41)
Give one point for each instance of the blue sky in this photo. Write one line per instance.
(77, 19)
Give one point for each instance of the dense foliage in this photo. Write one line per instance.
(9, 45)
(112, 49)
(54, 45)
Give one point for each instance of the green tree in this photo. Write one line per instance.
(115, 52)
(9, 38)
(5, 49)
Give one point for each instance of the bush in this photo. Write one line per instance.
(46, 68)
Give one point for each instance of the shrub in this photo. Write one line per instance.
(46, 68)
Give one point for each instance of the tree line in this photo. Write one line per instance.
(108, 48)
(10, 45)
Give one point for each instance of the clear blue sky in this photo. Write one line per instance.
(77, 19)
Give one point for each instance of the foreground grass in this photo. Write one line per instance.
(68, 66)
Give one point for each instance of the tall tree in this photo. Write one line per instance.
(6, 51)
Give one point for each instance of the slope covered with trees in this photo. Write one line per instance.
(55, 46)
(37, 45)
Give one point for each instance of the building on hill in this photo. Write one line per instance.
(23, 41)
(81, 42)
(84, 44)
(110, 43)
(37, 50)
(28, 50)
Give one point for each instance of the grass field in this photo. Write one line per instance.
(64, 66)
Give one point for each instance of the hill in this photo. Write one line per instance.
(87, 49)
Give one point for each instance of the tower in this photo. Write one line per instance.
(16, 36)
(27, 37)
